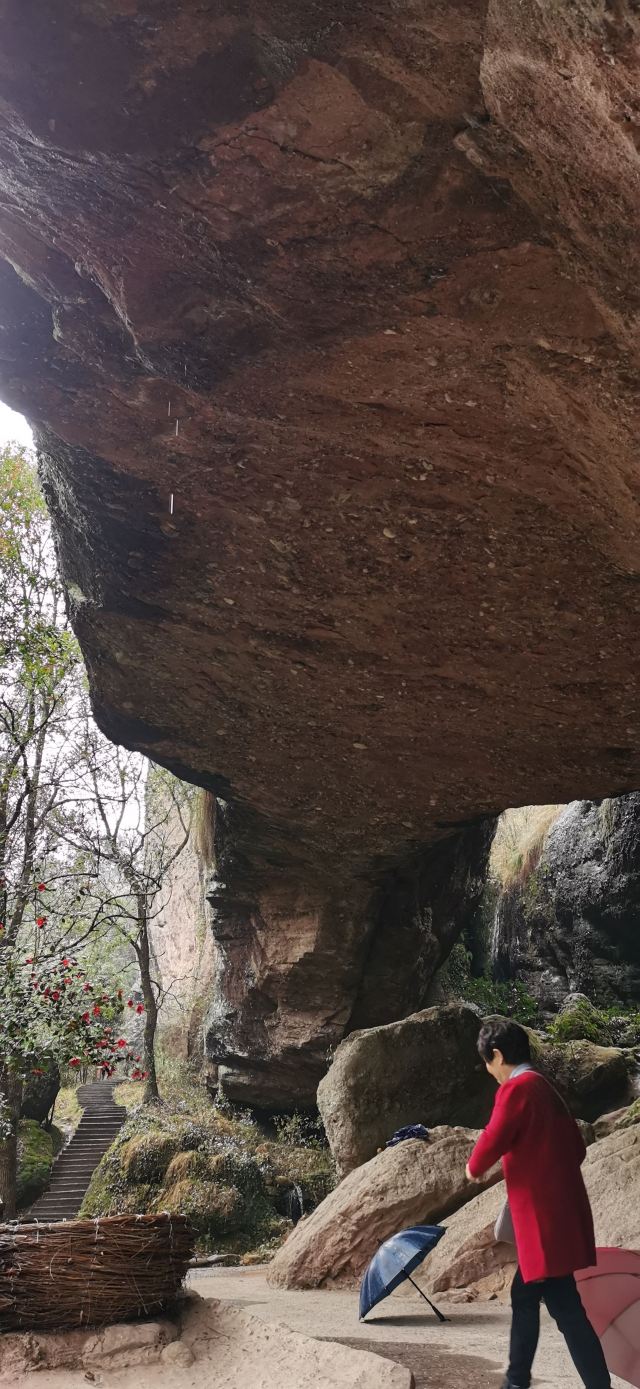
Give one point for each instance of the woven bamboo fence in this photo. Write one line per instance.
(91, 1272)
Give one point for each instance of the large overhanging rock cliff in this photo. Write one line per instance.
(326, 316)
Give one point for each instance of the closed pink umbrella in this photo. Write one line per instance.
(610, 1292)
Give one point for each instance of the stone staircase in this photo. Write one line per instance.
(75, 1164)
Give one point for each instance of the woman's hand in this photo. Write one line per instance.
(469, 1174)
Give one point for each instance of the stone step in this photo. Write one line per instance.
(74, 1166)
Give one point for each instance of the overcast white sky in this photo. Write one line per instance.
(13, 428)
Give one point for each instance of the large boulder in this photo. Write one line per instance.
(413, 1183)
(590, 1078)
(468, 1261)
(424, 1069)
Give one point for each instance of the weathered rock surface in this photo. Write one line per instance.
(210, 1342)
(571, 927)
(608, 1123)
(423, 1070)
(469, 1259)
(292, 976)
(326, 317)
(180, 932)
(411, 1184)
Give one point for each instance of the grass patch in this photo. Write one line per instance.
(518, 842)
(67, 1111)
(128, 1095)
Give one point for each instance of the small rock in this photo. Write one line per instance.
(177, 1354)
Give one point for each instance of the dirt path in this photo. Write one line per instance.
(466, 1353)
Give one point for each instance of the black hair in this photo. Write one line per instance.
(502, 1034)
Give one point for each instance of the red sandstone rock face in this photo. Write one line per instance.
(327, 318)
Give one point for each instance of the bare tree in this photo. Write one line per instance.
(129, 830)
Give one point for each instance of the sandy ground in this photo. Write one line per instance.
(466, 1353)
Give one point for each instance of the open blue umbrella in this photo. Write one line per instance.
(394, 1263)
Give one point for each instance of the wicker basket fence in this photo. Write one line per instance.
(91, 1272)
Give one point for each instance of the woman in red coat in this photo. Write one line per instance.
(542, 1151)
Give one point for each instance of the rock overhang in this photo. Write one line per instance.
(327, 328)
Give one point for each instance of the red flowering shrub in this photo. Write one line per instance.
(47, 1011)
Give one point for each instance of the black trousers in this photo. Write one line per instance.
(564, 1305)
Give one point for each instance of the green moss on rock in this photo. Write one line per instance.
(631, 1117)
(37, 1148)
(146, 1157)
(582, 1022)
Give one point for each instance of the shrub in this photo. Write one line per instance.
(582, 1022)
(300, 1131)
(509, 999)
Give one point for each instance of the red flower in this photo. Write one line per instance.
(29, 960)
(75, 1061)
(138, 1058)
(41, 921)
(55, 995)
(42, 887)
(96, 1011)
(129, 1003)
(140, 1008)
(66, 963)
(122, 1042)
(86, 1017)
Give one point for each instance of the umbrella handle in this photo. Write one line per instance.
(440, 1315)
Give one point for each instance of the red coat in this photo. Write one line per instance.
(542, 1151)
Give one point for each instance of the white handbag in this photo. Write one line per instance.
(503, 1231)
